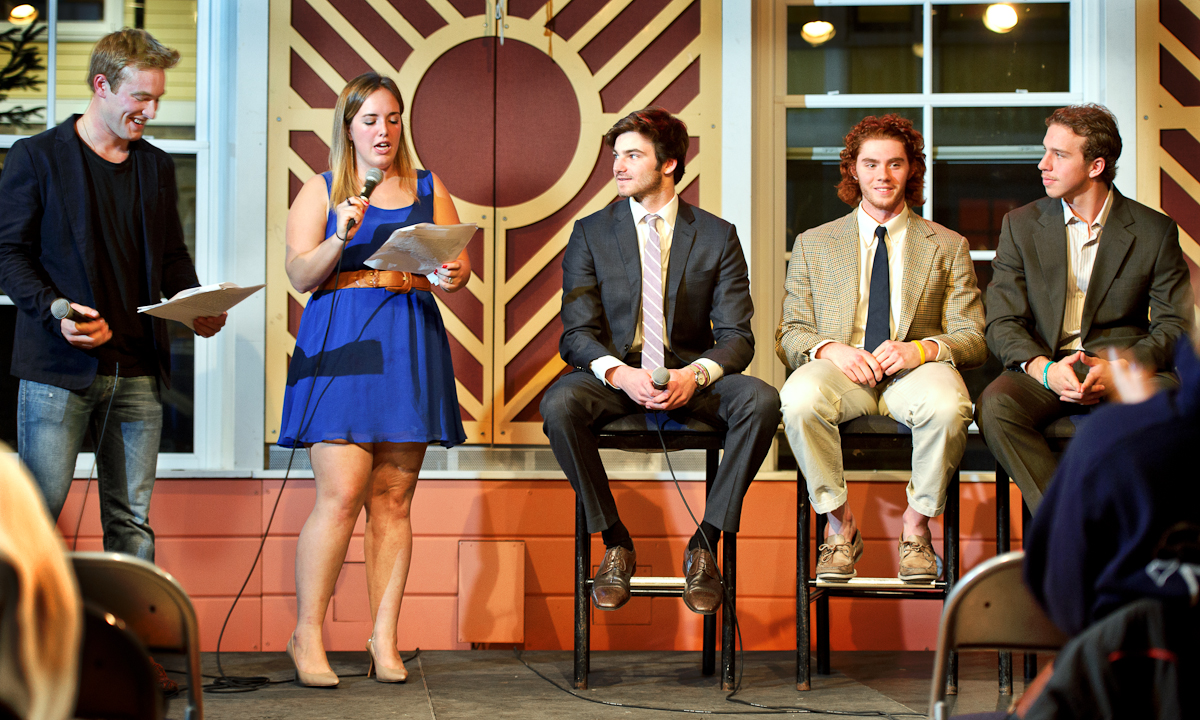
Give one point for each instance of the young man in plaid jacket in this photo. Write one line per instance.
(881, 309)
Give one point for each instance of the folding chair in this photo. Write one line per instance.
(990, 609)
(152, 606)
(1058, 434)
(116, 675)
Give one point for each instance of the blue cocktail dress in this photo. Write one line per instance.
(384, 372)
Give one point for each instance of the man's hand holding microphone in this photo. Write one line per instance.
(661, 390)
(81, 325)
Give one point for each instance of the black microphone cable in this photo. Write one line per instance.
(87, 485)
(741, 661)
(237, 684)
(225, 683)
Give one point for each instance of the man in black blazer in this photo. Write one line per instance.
(652, 282)
(1077, 273)
(88, 213)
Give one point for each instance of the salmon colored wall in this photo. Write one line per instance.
(208, 531)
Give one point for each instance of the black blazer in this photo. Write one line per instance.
(707, 290)
(48, 248)
(1139, 296)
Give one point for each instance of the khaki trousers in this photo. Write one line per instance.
(931, 399)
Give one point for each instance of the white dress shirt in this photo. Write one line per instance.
(896, 231)
(1083, 241)
(667, 216)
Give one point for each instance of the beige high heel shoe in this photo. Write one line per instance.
(383, 674)
(321, 679)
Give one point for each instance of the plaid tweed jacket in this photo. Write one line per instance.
(939, 298)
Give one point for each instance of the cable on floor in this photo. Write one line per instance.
(767, 709)
(222, 684)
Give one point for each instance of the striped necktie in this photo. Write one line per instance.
(652, 298)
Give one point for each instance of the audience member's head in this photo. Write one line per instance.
(40, 615)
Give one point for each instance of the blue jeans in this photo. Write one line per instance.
(51, 423)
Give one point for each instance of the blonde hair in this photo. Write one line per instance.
(123, 48)
(39, 659)
(346, 182)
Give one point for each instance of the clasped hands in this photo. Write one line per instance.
(636, 383)
(1099, 381)
(869, 368)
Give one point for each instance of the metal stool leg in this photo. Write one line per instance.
(950, 566)
(822, 612)
(583, 570)
(1031, 661)
(1003, 544)
(803, 640)
(708, 656)
(728, 639)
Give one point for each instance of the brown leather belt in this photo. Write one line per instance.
(398, 282)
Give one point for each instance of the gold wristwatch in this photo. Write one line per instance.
(700, 374)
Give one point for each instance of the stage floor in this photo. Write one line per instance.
(495, 684)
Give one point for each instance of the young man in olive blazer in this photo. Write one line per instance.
(1078, 272)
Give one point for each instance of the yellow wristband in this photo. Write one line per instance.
(921, 349)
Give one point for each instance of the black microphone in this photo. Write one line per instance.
(61, 309)
(660, 377)
(374, 177)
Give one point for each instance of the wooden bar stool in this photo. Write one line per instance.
(639, 433)
(874, 442)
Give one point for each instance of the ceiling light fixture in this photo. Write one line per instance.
(1000, 18)
(817, 32)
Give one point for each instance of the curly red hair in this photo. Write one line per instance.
(889, 127)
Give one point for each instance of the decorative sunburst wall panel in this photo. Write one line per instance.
(514, 130)
(1168, 136)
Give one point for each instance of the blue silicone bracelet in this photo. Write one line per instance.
(1046, 375)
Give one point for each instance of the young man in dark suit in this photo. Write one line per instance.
(88, 213)
(652, 282)
(1078, 272)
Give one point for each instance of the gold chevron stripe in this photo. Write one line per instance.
(648, 34)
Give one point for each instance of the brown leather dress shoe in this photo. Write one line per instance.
(610, 588)
(702, 593)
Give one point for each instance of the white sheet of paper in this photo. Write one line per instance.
(203, 301)
(422, 248)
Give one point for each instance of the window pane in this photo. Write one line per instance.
(815, 138)
(86, 10)
(872, 50)
(173, 23)
(23, 109)
(811, 196)
(1034, 55)
(973, 196)
(185, 180)
(827, 127)
(178, 402)
(990, 126)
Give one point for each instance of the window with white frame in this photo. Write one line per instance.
(977, 79)
(76, 20)
(69, 28)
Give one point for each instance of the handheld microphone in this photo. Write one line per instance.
(61, 309)
(660, 377)
(374, 177)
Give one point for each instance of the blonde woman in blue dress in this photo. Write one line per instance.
(370, 384)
